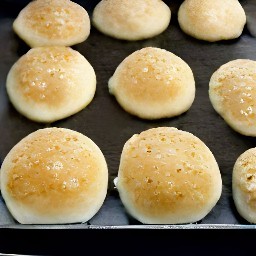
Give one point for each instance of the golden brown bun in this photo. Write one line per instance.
(153, 83)
(168, 176)
(133, 19)
(212, 20)
(244, 185)
(232, 91)
(50, 83)
(52, 22)
(54, 176)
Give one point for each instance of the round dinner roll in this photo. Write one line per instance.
(52, 22)
(212, 20)
(131, 20)
(168, 176)
(232, 91)
(244, 185)
(54, 176)
(51, 83)
(153, 83)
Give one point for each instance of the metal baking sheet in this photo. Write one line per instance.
(109, 126)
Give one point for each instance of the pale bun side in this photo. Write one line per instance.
(212, 20)
(168, 176)
(52, 22)
(54, 176)
(153, 83)
(131, 20)
(232, 92)
(51, 83)
(244, 185)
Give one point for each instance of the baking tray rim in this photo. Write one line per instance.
(115, 227)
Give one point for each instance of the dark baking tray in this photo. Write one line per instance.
(110, 127)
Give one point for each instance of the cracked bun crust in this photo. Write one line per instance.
(54, 176)
(232, 91)
(212, 20)
(133, 19)
(168, 176)
(51, 83)
(153, 83)
(52, 22)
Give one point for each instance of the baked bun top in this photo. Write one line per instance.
(244, 185)
(54, 175)
(232, 91)
(168, 176)
(153, 83)
(50, 83)
(133, 19)
(212, 20)
(52, 22)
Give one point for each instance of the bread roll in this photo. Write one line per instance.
(51, 83)
(133, 19)
(54, 176)
(168, 176)
(244, 185)
(232, 92)
(52, 22)
(212, 20)
(153, 83)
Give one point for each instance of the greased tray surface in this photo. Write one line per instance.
(109, 126)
